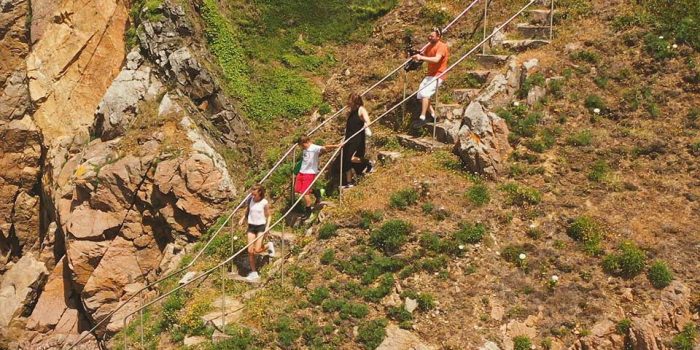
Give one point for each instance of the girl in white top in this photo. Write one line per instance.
(258, 217)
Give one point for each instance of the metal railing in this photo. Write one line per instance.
(322, 170)
(277, 164)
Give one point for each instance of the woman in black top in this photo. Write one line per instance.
(354, 149)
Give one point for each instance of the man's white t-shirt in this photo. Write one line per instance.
(309, 161)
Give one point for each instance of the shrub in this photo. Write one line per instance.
(478, 194)
(594, 101)
(372, 333)
(694, 148)
(659, 274)
(536, 79)
(628, 262)
(599, 171)
(658, 47)
(241, 339)
(521, 195)
(586, 230)
(427, 207)
(391, 236)
(327, 231)
(623, 326)
(586, 56)
(354, 310)
(556, 88)
(318, 295)
(287, 334)
(511, 253)
(426, 301)
(403, 198)
(470, 233)
(300, 277)
(399, 314)
(386, 284)
(685, 340)
(367, 218)
(328, 256)
(522, 342)
(580, 138)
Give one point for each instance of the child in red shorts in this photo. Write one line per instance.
(309, 170)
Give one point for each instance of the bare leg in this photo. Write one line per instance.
(251, 251)
(425, 103)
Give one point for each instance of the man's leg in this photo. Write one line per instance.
(425, 104)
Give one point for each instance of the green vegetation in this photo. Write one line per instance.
(586, 56)
(367, 218)
(628, 262)
(286, 331)
(677, 18)
(685, 340)
(327, 231)
(512, 253)
(241, 339)
(470, 233)
(300, 276)
(536, 79)
(599, 171)
(391, 236)
(590, 233)
(426, 301)
(545, 140)
(403, 198)
(595, 102)
(659, 274)
(328, 257)
(580, 138)
(522, 342)
(521, 195)
(521, 123)
(318, 295)
(372, 333)
(623, 326)
(657, 47)
(478, 194)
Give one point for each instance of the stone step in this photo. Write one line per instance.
(492, 61)
(524, 44)
(465, 95)
(449, 111)
(386, 157)
(442, 132)
(232, 312)
(286, 238)
(541, 16)
(533, 31)
(425, 144)
(479, 76)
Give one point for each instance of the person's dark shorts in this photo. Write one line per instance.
(257, 229)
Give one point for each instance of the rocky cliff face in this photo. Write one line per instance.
(108, 172)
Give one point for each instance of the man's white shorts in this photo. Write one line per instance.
(428, 87)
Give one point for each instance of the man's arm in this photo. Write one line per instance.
(434, 59)
(327, 148)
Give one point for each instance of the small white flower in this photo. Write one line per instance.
(661, 36)
(235, 238)
(674, 46)
(555, 278)
(532, 225)
(596, 110)
(668, 46)
(461, 247)
(516, 103)
(521, 256)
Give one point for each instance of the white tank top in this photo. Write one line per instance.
(256, 212)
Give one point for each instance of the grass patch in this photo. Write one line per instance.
(588, 232)
(580, 138)
(469, 233)
(627, 262)
(599, 171)
(372, 333)
(522, 342)
(521, 195)
(403, 198)
(623, 326)
(478, 194)
(659, 274)
(685, 340)
(327, 231)
(391, 236)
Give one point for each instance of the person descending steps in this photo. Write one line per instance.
(436, 54)
(308, 172)
(354, 161)
(258, 217)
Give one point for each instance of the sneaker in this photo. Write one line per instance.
(370, 168)
(422, 118)
(270, 249)
(253, 277)
(348, 186)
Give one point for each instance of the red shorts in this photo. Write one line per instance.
(303, 182)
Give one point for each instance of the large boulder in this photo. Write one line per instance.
(19, 287)
(135, 83)
(482, 142)
(75, 59)
(399, 339)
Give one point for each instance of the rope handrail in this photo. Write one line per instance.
(267, 175)
(230, 258)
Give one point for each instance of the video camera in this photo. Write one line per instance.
(412, 64)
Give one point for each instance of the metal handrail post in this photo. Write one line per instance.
(551, 20)
(435, 115)
(340, 182)
(486, 8)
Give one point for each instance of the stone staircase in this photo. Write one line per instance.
(530, 34)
